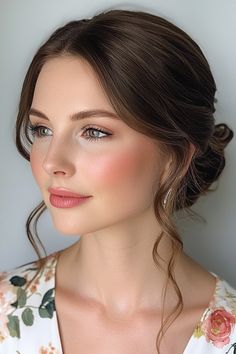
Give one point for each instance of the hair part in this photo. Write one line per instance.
(160, 84)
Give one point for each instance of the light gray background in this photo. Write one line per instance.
(24, 25)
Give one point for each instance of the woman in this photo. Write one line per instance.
(116, 119)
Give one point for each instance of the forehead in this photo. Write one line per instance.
(69, 84)
(69, 80)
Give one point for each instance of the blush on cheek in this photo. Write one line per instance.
(114, 169)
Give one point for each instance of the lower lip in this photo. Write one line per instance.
(66, 202)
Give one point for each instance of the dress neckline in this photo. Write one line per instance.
(208, 308)
(54, 258)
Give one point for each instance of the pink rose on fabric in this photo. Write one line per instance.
(218, 327)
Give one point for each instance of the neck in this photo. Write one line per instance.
(115, 268)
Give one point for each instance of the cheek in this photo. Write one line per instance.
(130, 169)
(114, 170)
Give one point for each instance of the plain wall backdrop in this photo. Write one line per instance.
(24, 26)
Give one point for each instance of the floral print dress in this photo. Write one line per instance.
(29, 324)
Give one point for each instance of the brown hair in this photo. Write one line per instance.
(160, 83)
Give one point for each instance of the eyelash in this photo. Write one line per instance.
(35, 131)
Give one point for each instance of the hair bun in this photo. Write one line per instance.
(208, 166)
(221, 137)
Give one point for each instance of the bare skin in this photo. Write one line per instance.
(89, 326)
(108, 290)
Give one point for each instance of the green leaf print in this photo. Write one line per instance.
(43, 312)
(47, 311)
(18, 281)
(21, 297)
(50, 306)
(15, 304)
(27, 317)
(47, 305)
(47, 296)
(13, 326)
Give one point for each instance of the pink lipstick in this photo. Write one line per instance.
(61, 198)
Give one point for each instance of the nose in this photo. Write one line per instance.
(58, 160)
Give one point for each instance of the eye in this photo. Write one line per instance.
(37, 130)
(40, 131)
(98, 131)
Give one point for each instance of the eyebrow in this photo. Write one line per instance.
(78, 115)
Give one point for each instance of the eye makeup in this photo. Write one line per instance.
(37, 131)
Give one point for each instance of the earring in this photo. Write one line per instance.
(166, 197)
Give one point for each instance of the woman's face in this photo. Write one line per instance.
(118, 167)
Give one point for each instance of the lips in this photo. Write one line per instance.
(63, 198)
(66, 193)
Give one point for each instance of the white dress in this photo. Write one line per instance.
(29, 325)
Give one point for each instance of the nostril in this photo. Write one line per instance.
(59, 172)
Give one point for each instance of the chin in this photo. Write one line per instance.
(69, 227)
(65, 229)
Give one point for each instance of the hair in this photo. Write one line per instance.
(160, 84)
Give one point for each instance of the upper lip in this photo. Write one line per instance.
(64, 192)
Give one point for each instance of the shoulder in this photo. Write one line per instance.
(17, 298)
(23, 274)
(218, 323)
(225, 295)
